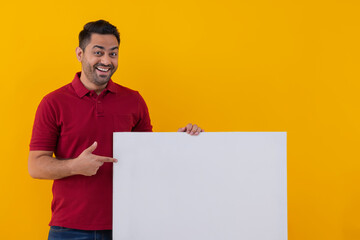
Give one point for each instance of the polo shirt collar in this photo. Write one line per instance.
(81, 90)
(111, 86)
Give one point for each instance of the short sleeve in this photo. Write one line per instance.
(143, 124)
(45, 130)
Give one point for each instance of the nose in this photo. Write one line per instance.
(105, 60)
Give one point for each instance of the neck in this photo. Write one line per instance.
(92, 86)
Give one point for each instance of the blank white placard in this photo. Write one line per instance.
(215, 186)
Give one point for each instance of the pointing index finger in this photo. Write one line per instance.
(107, 159)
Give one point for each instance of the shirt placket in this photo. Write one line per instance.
(98, 99)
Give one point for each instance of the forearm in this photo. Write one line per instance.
(42, 165)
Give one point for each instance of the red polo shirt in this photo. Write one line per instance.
(68, 121)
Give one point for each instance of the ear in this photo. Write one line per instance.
(79, 53)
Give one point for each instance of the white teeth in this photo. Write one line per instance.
(103, 69)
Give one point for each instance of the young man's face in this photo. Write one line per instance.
(100, 58)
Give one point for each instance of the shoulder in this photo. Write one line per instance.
(59, 97)
(60, 93)
(130, 96)
(125, 91)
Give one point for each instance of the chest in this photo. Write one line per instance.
(87, 116)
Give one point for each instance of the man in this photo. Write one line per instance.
(75, 123)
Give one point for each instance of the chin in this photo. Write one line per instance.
(101, 80)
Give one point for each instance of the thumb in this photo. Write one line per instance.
(92, 147)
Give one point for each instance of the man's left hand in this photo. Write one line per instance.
(191, 129)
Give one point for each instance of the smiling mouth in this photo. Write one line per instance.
(101, 69)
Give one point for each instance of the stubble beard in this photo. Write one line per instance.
(91, 74)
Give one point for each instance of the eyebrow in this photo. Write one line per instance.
(101, 47)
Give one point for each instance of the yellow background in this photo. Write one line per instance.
(227, 65)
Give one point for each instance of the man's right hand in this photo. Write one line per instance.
(87, 163)
(42, 164)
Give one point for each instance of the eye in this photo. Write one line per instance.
(114, 54)
(98, 53)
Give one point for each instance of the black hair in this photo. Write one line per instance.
(100, 27)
